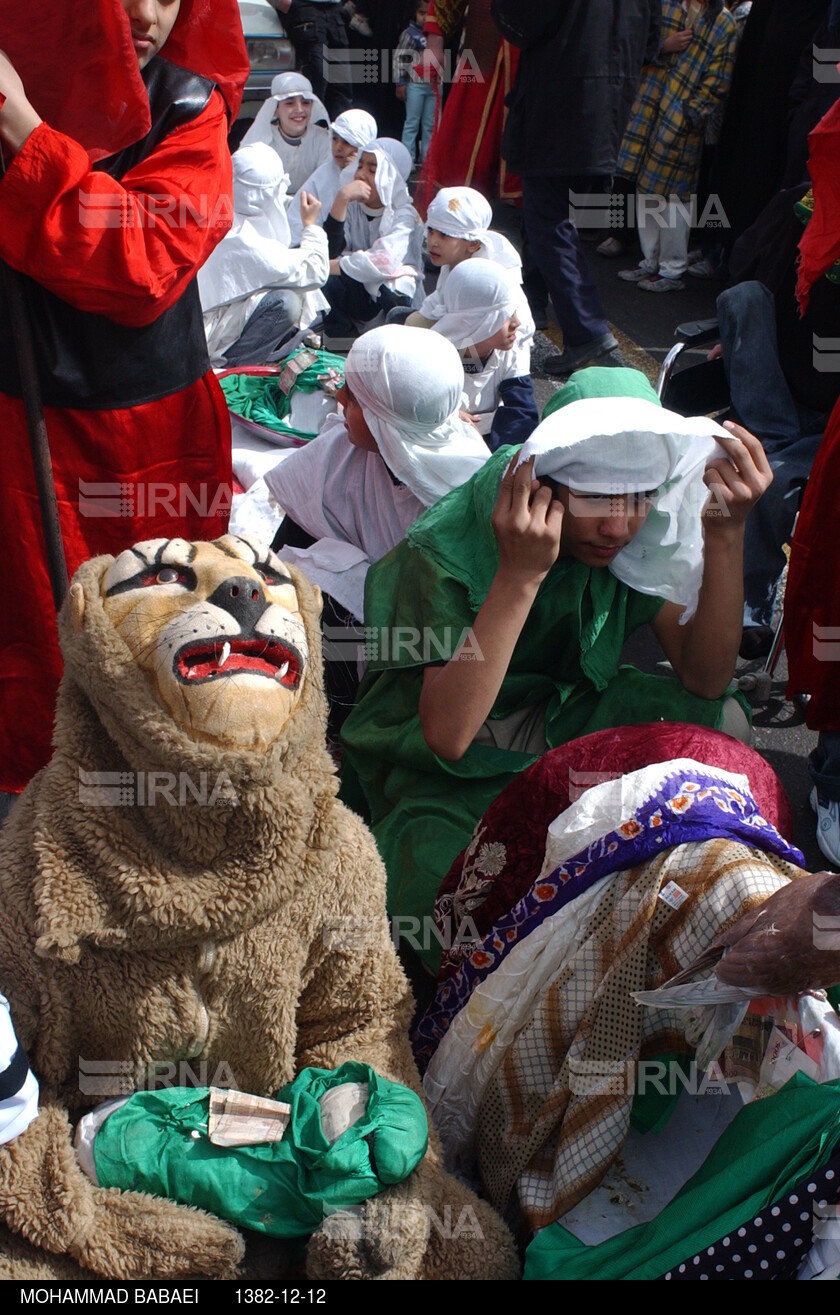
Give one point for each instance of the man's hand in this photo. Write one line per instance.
(401, 90)
(527, 522)
(310, 208)
(735, 482)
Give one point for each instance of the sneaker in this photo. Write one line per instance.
(828, 826)
(611, 246)
(656, 283)
(563, 363)
(634, 275)
(704, 269)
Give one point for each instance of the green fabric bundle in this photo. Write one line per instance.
(769, 1147)
(259, 397)
(283, 1188)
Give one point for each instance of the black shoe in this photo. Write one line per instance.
(573, 358)
(756, 642)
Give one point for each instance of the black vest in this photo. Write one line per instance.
(87, 361)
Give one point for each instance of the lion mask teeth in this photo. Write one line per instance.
(226, 654)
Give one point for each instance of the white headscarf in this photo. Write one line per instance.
(408, 382)
(463, 212)
(246, 258)
(460, 212)
(302, 156)
(388, 250)
(288, 85)
(400, 154)
(356, 127)
(622, 445)
(478, 298)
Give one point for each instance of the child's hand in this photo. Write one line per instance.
(735, 482)
(357, 190)
(678, 42)
(527, 522)
(310, 208)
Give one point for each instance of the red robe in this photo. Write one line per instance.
(172, 455)
(465, 149)
(812, 593)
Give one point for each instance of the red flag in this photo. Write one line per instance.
(820, 244)
(80, 71)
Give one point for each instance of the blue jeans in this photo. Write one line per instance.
(419, 116)
(790, 433)
(273, 322)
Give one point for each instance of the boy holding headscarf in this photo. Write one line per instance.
(536, 583)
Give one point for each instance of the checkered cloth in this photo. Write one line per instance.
(663, 141)
(556, 1112)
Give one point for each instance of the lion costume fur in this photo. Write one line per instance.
(206, 927)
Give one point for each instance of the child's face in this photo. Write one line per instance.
(354, 421)
(501, 341)
(597, 526)
(366, 171)
(293, 115)
(421, 12)
(342, 152)
(151, 23)
(444, 250)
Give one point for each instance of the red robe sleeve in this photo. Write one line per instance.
(124, 248)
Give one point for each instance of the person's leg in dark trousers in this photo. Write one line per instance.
(319, 36)
(557, 252)
(350, 305)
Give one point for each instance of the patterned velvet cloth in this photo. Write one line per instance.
(499, 865)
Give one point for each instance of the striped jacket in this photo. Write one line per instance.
(663, 142)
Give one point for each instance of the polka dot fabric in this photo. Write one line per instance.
(774, 1243)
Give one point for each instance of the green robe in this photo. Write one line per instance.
(419, 601)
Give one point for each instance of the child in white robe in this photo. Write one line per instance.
(350, 495)
(375, 239)
(259, 295)
(481, 319)
(457, 229)
(352, 132)
(294, 122)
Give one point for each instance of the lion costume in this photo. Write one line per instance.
(182, 891)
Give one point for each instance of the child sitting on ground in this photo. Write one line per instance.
(480, 318)
(457, 229)
(375, 245)
(258, 294)
(290, 121)
(531, 577)
(351, 494)
(352, 132)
